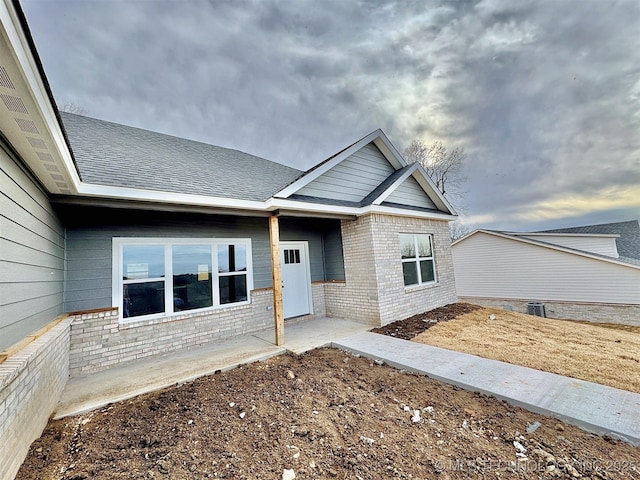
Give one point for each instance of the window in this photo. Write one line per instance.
(157, 277)
(418, 266)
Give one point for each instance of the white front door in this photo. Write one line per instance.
(296, 279)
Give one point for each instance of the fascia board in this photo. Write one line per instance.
(377, 137)
(597, 235)
(31, 75)
(400, 212)
(124, 193)
(462, 239)
(389, 151)
(558, 248)
(383, 196)
(427, 185)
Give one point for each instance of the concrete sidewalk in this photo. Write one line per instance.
(596, 408)
(96, 390)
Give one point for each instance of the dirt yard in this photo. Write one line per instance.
(601, 353)
(325, 414)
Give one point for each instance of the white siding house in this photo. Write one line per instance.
(510, 270)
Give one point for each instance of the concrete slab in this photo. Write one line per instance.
(594, 407)
(92, 391)
(306, 335)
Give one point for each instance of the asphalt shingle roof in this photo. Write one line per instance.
(121, 156)
(628, 244)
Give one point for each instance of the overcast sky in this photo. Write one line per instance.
(544, 96)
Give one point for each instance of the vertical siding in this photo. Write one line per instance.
(90, 233)
(411, 193)
(490, 266)
(31, 254)
(599, 245)
(353, 178)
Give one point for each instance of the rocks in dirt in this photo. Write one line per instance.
(290, 374)
(428, 409)
(163, 466)
(492, 317)
(559, 427)
(242, 415)
(521, 449)
(416, 416)
(368, 440)
(288, 474)
(532, 427)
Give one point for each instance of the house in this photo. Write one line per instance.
(118, 243)
(583, 273)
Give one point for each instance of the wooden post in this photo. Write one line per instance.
(276, 275)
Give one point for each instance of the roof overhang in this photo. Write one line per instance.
(32, 127)
(29, 122)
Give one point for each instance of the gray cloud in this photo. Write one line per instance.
(544, 96)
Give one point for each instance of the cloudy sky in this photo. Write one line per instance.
(544, 96)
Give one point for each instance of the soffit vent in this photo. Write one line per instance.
(51, 167)
(14, 104)
(37, 143)
(27, 126)
(45, 157)
(5, 80)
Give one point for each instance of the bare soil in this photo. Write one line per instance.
(324, 414)
(602, 353)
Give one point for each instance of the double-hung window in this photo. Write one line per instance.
(158, 277)
(418, 267)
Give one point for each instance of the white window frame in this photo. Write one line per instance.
(117, 281)
(416, 260)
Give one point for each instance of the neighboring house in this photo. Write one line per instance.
(157, 243)
(584, 273)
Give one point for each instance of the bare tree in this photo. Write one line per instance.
(444, 166)
(71, 107)
(457, 230)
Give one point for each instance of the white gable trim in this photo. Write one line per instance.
(377, 137)
(430, 190)
(383, 196)
(548, 246)
(428, 186)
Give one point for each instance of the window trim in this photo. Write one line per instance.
(416, 260)
(117, 273)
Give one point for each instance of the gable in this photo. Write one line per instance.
(353, 178)
(410, 193)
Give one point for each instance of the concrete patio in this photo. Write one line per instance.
(96, 390)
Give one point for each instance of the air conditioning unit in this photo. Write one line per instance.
(536, 308)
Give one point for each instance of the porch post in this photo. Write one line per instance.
(276, 275)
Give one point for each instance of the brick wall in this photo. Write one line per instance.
(592, 312)
(100, 341)
(31, 382)
(374, 291)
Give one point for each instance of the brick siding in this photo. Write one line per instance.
(374, 291)
(31, 382)
(592, 312)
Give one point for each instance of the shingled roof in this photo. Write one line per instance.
(628, 244)
(121, 156)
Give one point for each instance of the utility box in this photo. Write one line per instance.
(536, 308)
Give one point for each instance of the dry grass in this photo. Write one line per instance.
(600, 353)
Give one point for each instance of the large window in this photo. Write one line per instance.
(418, 265)
(156, 277)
